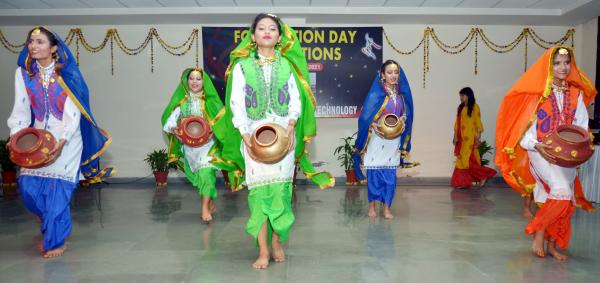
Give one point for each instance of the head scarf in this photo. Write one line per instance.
(95, 139)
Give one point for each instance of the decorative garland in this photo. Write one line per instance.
(476, 34)
(111, 37)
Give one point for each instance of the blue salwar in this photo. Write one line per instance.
(381, 185)
(50, 200)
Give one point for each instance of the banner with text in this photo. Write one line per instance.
(342, 61)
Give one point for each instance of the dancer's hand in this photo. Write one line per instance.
(177, 132)
(247, 140)
(56, 151)
(543, 150)
(290, 132)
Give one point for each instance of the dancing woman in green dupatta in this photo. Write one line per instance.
(267, 82)
(195, 95)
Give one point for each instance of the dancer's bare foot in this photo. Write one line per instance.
(372, 212)
(212, 206)
(538, 244)
(206, 215)
(55, 252)
(262, 262)
(387, 213)
(482, 183)
(278, 253)
(553, 251)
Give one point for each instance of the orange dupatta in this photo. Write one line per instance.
(517, 112)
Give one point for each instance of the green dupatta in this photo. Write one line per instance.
(212, 108)
(228, 156)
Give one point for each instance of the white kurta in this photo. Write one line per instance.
(197, 157)
(559, 179)
(66, 166)
(383, 153)
(258, 173)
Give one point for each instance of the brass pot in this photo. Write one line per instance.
(269, 144)
(390, 126)
(570, 145)
(194, 131)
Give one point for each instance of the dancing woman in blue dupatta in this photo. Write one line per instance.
(50, 94)
(390, 93)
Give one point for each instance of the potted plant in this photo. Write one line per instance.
(344, 154)
(9, 171)
(158, 160)
(484, 148)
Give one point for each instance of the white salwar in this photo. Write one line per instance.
(196, 157)
(559, 179)
(383, 153)
(66, 166)
(257, 173)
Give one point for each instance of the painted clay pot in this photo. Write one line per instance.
(390, 126)
(269, 143)
(30, 148)
(194, 131)
(570, 145)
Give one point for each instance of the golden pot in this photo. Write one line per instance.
(269, 143)
(390, 126)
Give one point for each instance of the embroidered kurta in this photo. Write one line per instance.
(559, 179)
(258, 173)
(53, 111)
(385, 153)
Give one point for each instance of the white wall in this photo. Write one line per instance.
(129, 104)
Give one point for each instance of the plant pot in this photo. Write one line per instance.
(9, 184)
(161, 178)
(351, 178)
(9, 177)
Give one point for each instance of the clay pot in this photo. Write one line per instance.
(570, 145)
(269, 143)
(194, 131)
(390, 126)
(30, 148)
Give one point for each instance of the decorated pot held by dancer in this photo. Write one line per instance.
(570, 145)
(270, 143)
(30, 148)
(390, 126)
(194, 131)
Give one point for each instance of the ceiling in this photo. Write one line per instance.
(110, 12)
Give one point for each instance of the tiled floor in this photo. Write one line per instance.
(135, 233)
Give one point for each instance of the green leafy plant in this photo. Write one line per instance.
(158, 160)
(345, 151)
(5, 163)
(484, 148)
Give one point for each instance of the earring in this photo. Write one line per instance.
(55, 56)
(253, 44)
(278, 45)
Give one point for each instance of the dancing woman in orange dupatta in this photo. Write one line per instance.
(467, 137)
(552, 92)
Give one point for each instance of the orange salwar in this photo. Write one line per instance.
(554, 218)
